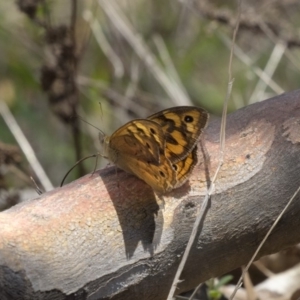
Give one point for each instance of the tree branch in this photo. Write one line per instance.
(108, 235)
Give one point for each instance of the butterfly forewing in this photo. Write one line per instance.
(184, 168)
(182, 127)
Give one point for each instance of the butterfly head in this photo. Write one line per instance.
(104, 142)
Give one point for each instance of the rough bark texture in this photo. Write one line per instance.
(109, 236)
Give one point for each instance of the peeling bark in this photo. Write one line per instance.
(108, 236)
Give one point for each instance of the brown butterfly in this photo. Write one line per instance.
(162, 149)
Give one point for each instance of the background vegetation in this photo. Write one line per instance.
(62, 58)
(58, 59)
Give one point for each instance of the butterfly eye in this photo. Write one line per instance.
(188, 119)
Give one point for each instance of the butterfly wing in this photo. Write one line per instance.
(142, 139)
(161, 150)
(182, 127)
(138, 148)
(162, 177)
(184, 167)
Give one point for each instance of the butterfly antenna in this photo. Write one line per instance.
(81, 160)
(101, 108)
(79, 117)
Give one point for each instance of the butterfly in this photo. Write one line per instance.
(161, 149)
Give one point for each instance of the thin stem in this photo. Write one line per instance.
(204, 206)
(262, 243)
(25, 146)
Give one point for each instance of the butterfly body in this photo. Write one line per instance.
(161, 150)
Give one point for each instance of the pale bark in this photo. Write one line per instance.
(108, 235)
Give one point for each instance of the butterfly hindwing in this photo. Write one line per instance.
(142, 139)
